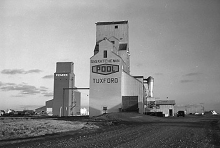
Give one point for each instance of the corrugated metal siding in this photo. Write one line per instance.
(120, 34)
(132, 87)
(165, 109)
(190, 108)
(76, 103)
(106, 94)
(116, 44)
(130, 103)
(59, 84)
(49, 104)
(109, 30)
(65, 67)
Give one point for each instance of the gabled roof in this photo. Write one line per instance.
(111, 51)
(97, 45)
(40, 108)
(113, 37)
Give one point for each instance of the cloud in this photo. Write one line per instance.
(19, 71)
(186, 81)
(193, 74)
(48, 77)
(18, 95)
(9, 83)
(46, 94)
(33, 71)
(13, 71)
(43, 89)
(23, 89)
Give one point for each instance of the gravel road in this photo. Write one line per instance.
(201, 132)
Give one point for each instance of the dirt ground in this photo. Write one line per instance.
(131, 130)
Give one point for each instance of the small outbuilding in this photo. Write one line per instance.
(40, 110)
(165, 106)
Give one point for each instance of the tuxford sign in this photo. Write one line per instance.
(105, 69)
(106, 80)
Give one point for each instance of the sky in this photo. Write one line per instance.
(177, 42)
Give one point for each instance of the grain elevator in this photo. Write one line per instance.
(112, 88)
(66, 101)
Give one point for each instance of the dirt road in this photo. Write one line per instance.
(173, 132)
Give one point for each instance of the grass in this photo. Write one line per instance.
(14, 128)
(23, 128)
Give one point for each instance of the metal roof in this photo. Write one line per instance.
(165, 102)
(111, 23)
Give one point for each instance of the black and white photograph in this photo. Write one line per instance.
(110, 74)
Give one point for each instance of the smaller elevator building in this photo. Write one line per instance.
(66, 101)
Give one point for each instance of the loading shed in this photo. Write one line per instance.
(165, 106)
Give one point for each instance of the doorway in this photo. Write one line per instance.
(170, 112)
(130, 103)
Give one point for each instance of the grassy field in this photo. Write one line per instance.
(14, 128)
(112, 130)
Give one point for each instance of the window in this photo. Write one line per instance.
(113, 42)
(116, 27)
(105, 54)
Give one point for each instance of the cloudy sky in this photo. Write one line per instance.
(175, 41)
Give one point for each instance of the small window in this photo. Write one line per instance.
(105, 54)
(116, 27)
(113, 42)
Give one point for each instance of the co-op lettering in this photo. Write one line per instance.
(106, 80)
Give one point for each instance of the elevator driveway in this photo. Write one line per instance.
(140, 131)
